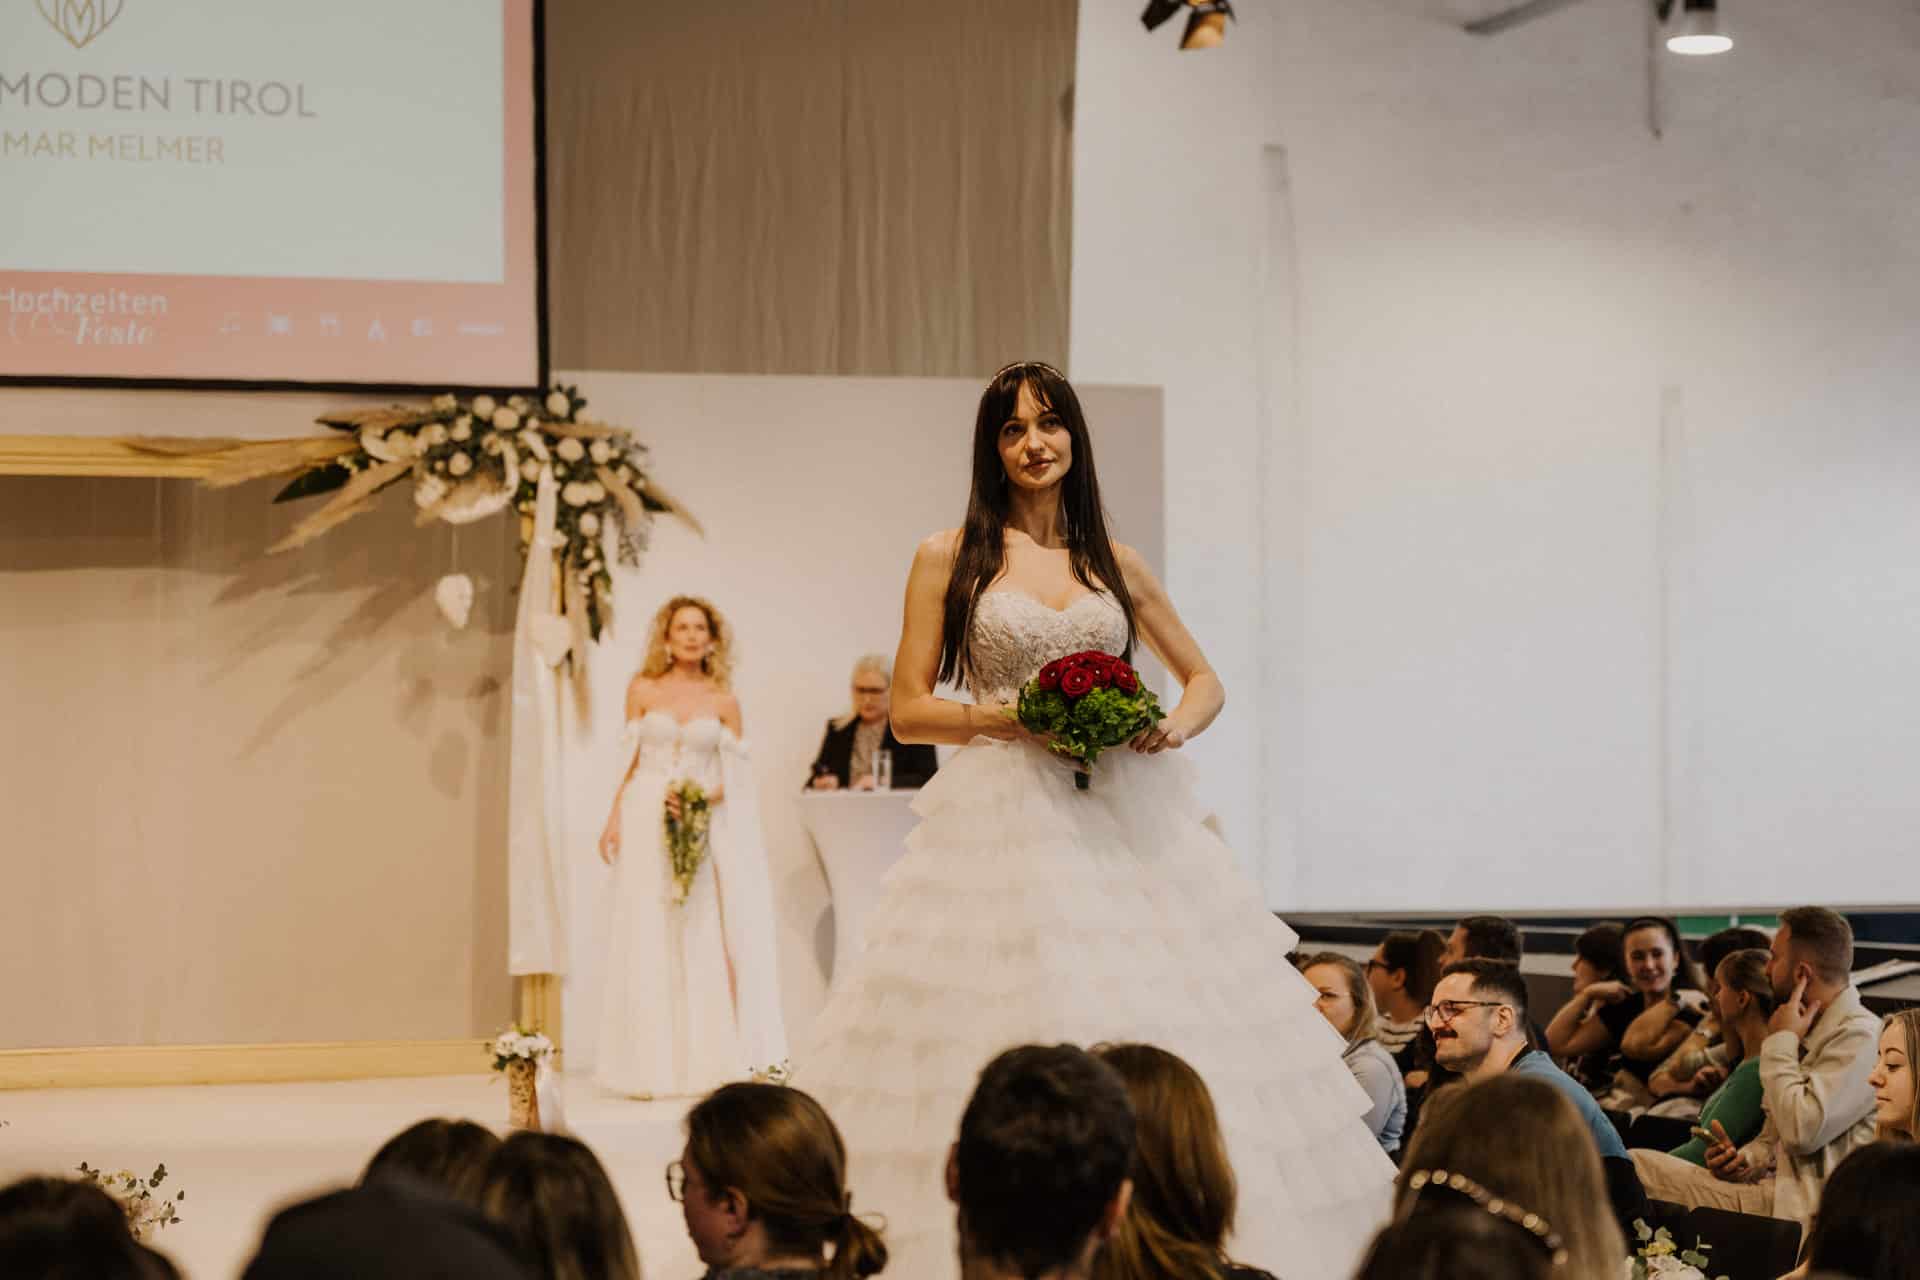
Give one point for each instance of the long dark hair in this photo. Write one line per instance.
(553, 1197)
(982, 551)
(1184, 1191)
(1866, 1225)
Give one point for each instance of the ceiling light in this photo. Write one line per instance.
(1698, 30)
(1206, 20)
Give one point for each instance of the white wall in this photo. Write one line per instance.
(814, 493)
(1574, 465)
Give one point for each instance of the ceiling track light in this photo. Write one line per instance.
(1698, 31)
(1206, 20)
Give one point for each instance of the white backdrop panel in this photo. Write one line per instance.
(814, 493)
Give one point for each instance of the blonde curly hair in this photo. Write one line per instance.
(718, 664)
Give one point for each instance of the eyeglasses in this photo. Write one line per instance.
(864, 692)
(1447, 1010)
(676, 1182)
(1377, 964)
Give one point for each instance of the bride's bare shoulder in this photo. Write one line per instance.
(937, 550)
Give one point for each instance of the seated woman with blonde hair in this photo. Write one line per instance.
(1346, 1001)
(853, 742)
(1516, 1148)
(1184, 1191)
(762, 1184)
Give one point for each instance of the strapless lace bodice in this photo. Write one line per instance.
(1014, 635)
(690, 750)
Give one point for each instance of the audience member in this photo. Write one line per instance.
(1473, 938)
(1896, 1102)
(1644, 1019)
(1436, 1237)
(69, 1229)
(1597, 955)
(1483, 938)
(763, 1186)
(1039, 1174)
(1597, 958)
(1479, 1027)
(387, 1230)
(1401, 975)
(1814, 1066)
(553, 1198)
(1345, 1000)
(1184, 1193)
(851, 743)
(449, 1154)
(1743, 999)
(1520, 1143)
(1673, 1081)
(1868, 1225)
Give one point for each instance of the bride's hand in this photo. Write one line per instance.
(610, 840)
(1164, 736)
(673, 803)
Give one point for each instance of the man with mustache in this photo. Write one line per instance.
(1479, 1022)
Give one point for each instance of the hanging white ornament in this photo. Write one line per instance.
(454, 595)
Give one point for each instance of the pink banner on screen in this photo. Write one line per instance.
(317, 324)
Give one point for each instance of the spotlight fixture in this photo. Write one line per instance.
(1206, 20)
(1698, 32)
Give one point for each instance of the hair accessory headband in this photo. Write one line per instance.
(1532, 1223)
(1041, 365)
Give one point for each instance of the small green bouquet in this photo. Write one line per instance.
(687, 836)
(1085, 703)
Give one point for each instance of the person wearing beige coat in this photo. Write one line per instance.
(1814, 1068)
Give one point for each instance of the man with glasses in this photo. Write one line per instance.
(1479, 1022)
(855, 743)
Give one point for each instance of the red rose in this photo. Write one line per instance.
(1102, 675)
(1049, 677)
(1125, 680)
(1075, 681)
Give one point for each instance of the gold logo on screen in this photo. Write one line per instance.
(80, 21)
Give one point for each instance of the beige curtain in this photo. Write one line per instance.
(854, 187)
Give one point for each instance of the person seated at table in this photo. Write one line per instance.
(847, 750)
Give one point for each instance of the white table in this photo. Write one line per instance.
(857, 835)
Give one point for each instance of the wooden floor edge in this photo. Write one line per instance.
(127, 1066)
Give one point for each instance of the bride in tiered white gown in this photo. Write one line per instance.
(691, 998)
(1027, 911)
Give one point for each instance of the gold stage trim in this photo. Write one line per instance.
(122, 1066)
(95, 456)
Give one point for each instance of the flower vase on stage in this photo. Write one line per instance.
(519, 1055)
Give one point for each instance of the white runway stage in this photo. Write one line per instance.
(240, 1151)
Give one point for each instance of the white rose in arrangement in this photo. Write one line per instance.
(570, 449)
(590, 524)
(576, 494)
(530, 470)
(535, 445)
(505, 419)
(517, 403)
(462, 429)
(434, 433)
(445, 402)
(625, 473)
(459, 464)
(558, 405)
(600, 452)
(596, 491)
(483, 406)
(403, 444)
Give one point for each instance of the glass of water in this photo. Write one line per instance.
(883, 770)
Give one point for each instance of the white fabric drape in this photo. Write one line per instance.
(536, 896)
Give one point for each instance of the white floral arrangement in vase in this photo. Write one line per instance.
(1660, 1257)
(519, 1054)
(146, 1214)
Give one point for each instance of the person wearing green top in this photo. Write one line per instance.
(1743, 998)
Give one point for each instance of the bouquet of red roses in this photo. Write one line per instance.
(1085, 703)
